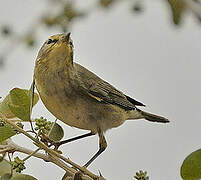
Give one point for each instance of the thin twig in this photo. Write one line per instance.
(48, 150)
(11, 146)
(11, 169)
(194, 6)
(31, 154)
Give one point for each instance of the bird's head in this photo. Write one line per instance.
(56, 49)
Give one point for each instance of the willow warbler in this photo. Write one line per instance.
(80, 98)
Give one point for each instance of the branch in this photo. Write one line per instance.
(195, 7)
(51, 152)
(10, 146)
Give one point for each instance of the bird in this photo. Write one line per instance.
(80, 98)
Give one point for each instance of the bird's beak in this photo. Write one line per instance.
(66, 37)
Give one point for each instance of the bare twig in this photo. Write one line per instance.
(49, 150)
(10, 146)
(31, 154)
(194, 6)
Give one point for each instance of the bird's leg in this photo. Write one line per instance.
(102, 147)
(57, 144)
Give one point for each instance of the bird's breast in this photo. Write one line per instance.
(75, 108)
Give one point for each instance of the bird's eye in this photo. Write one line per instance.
(71, 43)
(49, 41)
(52, 41)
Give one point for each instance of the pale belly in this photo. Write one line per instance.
(82, 111)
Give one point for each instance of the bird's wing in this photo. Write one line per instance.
(103, 91)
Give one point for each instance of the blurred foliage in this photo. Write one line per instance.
(141, 175)
(5, 30)
(29, 40)
(68, 12)
(137, 7)
(64, 18)
(106, 3)
(191, 167)
(177, 8)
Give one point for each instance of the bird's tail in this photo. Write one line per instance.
(154, 118)
(139, 114)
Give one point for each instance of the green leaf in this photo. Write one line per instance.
(5, 167)
(106, 3)
(4, 108)
(141, 175)
(191, 167)
(6, 131)
(7, 102)
(177, 8)
(17, 176)
(56, 133)
(6, 176)
(22, 177)
(29, 40)
(20, 103)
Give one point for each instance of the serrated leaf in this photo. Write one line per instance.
(177, 7)
(6, 132)
(5, 167)
(191, 167)
(56, 133)
(4, 105)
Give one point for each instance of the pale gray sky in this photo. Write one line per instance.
(145, 57)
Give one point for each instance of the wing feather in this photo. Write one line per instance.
(101, 90)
